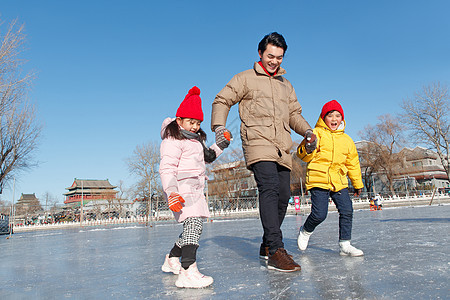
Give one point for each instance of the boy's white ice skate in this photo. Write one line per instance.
(347, 249)
(303, 238)
(171, 264)
(192, 278)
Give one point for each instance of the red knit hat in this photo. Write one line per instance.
(191, 107)
(329, 106)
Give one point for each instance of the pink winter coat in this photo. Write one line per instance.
(182, 170)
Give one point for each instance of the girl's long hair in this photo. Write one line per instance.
(173, 131)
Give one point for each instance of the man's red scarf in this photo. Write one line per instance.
(260, 63)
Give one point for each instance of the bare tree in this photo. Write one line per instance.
(381, 150)
(49, 201)
(19, 129)
(144, 163)
(369, 165)
(120, 196)
(427, 117)
(5, 207)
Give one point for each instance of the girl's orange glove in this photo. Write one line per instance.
(175, 201)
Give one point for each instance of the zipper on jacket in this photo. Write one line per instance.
(273, 103)
(332, 160)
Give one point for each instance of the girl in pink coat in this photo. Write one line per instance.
(182, 170)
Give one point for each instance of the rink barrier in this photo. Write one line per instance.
(305, 208)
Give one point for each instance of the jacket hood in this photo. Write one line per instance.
(166, 122)
(321, 123)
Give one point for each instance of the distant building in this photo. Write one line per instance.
(88, 190)
(417, 168)
(232, 180)
(28, 204)
(424, 166)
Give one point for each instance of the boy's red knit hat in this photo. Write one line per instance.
(191, 107)
(329, 106)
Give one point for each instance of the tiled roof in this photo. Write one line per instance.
(91, 183)
(90, 191)
(28, 197)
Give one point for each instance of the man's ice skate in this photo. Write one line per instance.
(347, 249)
(171, 264)
(303, 239)
(282, 261)
(192, 278)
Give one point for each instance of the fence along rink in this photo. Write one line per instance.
(219, 207)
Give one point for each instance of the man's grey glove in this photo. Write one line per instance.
(311, 141)
(223, 137)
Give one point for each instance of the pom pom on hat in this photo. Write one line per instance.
(191, 107)
(330, 106)
(194, 91)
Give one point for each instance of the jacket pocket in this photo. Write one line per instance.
(343, 175)
(317, 173)
(258, 128)
(286, 127)
(286, 137)
(189, 184)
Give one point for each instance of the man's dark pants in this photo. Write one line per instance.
(274, 190)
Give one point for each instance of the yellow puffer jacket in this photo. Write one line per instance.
(334, 159)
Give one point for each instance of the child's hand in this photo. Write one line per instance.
(227, 135)
(175, 201)
(357, 192)
(311, 141)
(223, 137)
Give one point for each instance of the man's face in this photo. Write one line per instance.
(271, 58)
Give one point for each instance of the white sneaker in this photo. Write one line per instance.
(303, 238)
(347, 249)
(171, 264)
(192, 278)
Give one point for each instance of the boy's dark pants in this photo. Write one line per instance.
(274, 190)
(319, 210)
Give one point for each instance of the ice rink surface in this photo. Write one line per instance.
(406, 250)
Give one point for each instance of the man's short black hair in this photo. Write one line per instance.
(273, 38)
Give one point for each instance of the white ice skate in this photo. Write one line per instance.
(171, 264)
(347, 249)
(303, 238)
(192, 278)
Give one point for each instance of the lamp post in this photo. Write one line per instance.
(81, 210)
(301, 186)
(373, 185)
(434, 182)
(406, 187)
(13, 210)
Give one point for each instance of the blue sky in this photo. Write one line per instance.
(109, 72)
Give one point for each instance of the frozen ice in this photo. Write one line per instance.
(406, 257)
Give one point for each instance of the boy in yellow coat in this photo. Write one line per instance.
(329, 164)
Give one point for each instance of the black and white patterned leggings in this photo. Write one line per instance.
(192, 229)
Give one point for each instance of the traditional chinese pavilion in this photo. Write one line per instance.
(28, 203)
(89, 189)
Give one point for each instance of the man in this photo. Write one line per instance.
(268, 109)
